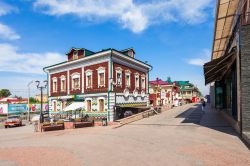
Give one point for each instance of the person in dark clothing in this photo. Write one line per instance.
(203, 104)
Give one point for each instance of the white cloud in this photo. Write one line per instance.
(134, 16)
(14, 61)
(7, 33)
(204, 57)
(5, 8)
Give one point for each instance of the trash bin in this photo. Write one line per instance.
(104, 122)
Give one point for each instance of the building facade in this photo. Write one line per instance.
(163, 93)
(229, 69)
(188, 92)
(45, 98)
(107, 82)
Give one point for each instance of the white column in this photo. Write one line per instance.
(49, 85)
(68, 85)
(83, 75)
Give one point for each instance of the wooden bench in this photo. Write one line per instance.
(52, 127)
(83, 124)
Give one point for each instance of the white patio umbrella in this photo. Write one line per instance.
(35, 118)
(74, 106)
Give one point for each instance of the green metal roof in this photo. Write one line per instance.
(90, 53)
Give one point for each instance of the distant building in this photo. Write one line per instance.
(163, 92)
(103, 84)
(188, 91)
(12, 100)
(45, 98)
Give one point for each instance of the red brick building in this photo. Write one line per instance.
(108, 82)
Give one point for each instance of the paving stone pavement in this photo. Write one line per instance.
(180, 136)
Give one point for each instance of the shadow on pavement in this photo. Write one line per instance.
(208, 118)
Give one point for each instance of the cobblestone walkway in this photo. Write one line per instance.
(182, 136)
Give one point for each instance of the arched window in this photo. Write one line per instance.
(54, 84)
(101, 105)
(89, 79)
(63, 83)
(101, 76)
(89, 105)
(75, 79)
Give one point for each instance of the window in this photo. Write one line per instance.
(127, 78)
(118, 76)
(137, 84)
(143, 82)
(54, 104)
(89, 105)
(101, 105)
(119, 79)
(54, 86)
(101, 76)
(63, 83)
(75, 55)
(75, 81)
(89, 79)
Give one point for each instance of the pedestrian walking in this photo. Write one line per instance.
(203, 105)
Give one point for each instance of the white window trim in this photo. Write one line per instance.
(127, 73)
(143, 86)
(54, 89)
(86, 104)
(54, 105)
(63, 78)
(118, 70)
(89, 73)
(73, 76)
(98, 104)
(101, 70)
(137, 86)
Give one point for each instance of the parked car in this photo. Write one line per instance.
(13, 120)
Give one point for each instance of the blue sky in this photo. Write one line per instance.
(174, 36)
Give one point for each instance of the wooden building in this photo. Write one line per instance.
(104, 84)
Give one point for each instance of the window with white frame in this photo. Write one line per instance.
(101, 76)
(75, 81)
(101, 105)
(89, 105)
(88, 79)
(137, 83)
(63, 83)
(143, 82)
(127, 78)
(118, 76)
(54, 84)
(75, 55)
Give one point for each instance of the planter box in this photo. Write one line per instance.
(52, 127)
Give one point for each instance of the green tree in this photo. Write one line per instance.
(33, 100)
(5, 93)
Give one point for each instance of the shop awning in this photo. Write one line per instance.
(224, 22)
(217, 68)
(74, 106)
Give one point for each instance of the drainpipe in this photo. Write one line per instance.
(47, 88)
(110, 84)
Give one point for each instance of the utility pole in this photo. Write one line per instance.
(29, 99)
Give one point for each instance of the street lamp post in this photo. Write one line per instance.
(29, 99)
(41, 89)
